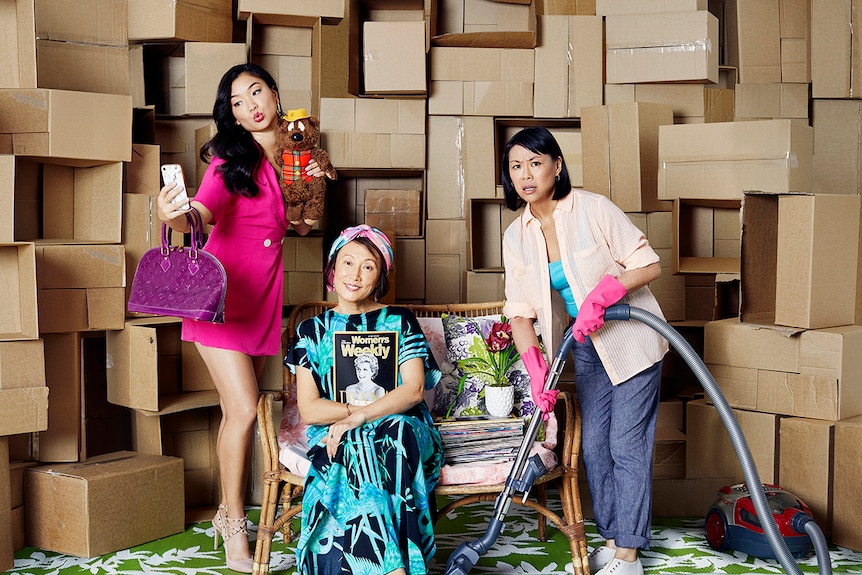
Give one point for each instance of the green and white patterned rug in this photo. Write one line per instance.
(678, 546)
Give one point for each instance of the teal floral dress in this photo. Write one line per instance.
(366, 511)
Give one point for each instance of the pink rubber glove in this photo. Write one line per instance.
(537, 368)
(591, 313)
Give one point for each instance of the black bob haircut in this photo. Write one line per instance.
(540, 141)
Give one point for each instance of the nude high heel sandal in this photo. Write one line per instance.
(228, 527)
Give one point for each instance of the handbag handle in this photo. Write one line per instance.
(197, 233)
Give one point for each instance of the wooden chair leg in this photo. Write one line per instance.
(542, 499)
(265, 531)
(571, 500)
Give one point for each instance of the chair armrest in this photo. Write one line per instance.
(266, 424)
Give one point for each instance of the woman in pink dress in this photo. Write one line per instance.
(241, 197)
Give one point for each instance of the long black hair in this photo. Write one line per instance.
(540, 141)
(232, 143)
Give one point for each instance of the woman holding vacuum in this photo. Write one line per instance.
(572, 254)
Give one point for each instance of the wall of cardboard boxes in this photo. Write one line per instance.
(727, 129)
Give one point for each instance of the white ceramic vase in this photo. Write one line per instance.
(499, 401)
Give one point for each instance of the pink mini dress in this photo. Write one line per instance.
(246, 237)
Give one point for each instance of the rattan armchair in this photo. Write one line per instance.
(284, 489)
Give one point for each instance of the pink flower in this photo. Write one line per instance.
(500, 336)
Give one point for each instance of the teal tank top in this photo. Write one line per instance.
(559, 283)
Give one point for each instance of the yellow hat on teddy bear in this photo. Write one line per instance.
(296, 114)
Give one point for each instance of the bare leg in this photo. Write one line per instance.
(235, 376)
(624, 553)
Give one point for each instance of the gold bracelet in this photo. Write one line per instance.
(347, 405)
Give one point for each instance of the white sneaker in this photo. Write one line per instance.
(620, 567)
(600, 556)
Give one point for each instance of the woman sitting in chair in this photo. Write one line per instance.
(373, 467)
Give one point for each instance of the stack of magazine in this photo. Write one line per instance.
(481, 439)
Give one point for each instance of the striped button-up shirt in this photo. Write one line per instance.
(596, 238)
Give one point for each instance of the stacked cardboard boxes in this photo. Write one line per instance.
(717, 164)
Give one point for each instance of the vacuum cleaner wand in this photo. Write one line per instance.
(519, 480)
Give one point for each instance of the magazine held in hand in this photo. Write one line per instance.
(366, 365)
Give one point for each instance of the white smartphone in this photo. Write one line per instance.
(174, 173)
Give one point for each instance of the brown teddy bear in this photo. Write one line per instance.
(304, 196)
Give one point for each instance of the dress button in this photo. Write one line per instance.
(267, 242)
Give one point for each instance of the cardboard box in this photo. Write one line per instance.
(73, 508)
(410, 263)
(81, 287)
(7, 198)
(730, 342)
(64, 378)
(290, 48)
(330, 12)
(190, 78)
(103, 22)
(620, 147)
(81, 67)
(481, 82)
(190, 435)
(837, 166)
(753, 40)
(181, 20)
(835, 73)
(142, 174)
(770, 101)
(846, 504)
(18, 309)
(303, 254)
(661, 47)
(722, 160)
(614, 7)
(373, 133)
(710, 453)
(443, 277)
(706, 236)
(445, 258)
(50, 44)
(82, 204)
(568, 66)
(75, 126)
(65, 203)
(669, 454)
(150, 370)
(394, 57)
(486, 24)
(7, 559)
(820, 392)
(397, 210)
(691, 103)
(302, 286)
(482, 286)
(23, 410)
(690, 497)
(799, 254)
(805, 464)
(22, 364)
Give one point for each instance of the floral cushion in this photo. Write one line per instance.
(462, 337)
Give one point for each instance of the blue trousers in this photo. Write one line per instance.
(618, 436)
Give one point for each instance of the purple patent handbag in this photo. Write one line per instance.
(180, 281)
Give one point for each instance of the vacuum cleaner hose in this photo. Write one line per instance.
(752, 478)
